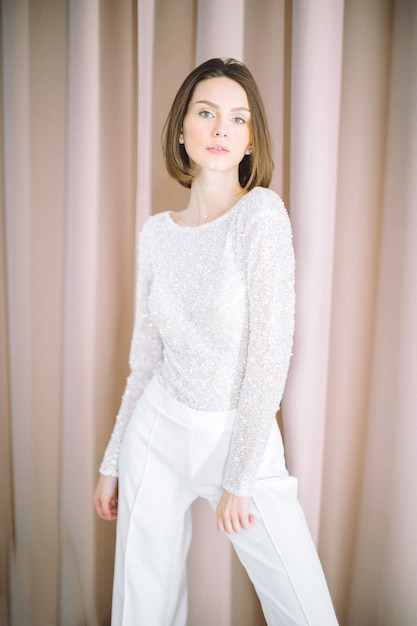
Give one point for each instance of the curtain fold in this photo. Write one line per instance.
(80, 309)
(34, 229)
(6, 510)
(85, 89)
(317, 34)
(69, 144)
(145, 24)
(361, 169)
(385, 557)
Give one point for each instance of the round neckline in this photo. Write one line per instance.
(216, 220)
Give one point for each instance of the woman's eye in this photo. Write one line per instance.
(206, 114)
(239, 120)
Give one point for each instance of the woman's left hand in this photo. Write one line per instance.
(233, 513)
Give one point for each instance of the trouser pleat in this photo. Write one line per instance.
(280, 558)
(154, 525)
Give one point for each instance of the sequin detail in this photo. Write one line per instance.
(215, 321)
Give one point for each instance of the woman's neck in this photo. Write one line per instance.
(209, 199)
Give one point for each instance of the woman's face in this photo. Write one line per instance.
(217, 126)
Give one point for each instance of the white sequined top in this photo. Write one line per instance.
(214, 321)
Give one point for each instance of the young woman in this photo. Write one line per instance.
(209, 358)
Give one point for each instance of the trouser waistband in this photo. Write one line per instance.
(174, 410)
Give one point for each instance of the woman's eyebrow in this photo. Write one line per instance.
(216, 106)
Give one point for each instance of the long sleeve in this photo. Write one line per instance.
(269, 264)
(145, 356)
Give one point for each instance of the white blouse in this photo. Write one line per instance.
(214, 322)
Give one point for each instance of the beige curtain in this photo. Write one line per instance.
(85, 88)
(68, 155)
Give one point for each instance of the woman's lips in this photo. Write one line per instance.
(218, 149)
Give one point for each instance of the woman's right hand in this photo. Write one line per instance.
(105, 497)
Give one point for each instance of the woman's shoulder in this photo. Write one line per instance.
(263, 205)
(150, 233)
(265, 225)
(154, 224)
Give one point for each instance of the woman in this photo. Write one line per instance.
(209, 359)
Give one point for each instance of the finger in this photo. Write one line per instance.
(240, 523)
(247, 521)
(232, 523)
(97, 504)
(220, 525)
(237, 527)
(107, 514)
(220, 519)
(228, 526)
(113, 508)
(113, 504)
(102, 508)
(224, 524)
(103, 511)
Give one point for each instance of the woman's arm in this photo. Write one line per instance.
(145, 356)
(269, 261)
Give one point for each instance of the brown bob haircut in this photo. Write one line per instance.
(256, 168)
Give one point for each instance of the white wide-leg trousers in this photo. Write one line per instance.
(170, 456)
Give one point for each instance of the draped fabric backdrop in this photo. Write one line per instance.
(85, 89)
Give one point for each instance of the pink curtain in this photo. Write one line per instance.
(85, 89)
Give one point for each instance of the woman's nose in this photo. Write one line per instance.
(220, 130)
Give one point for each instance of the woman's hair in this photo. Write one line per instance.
(256, 168)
